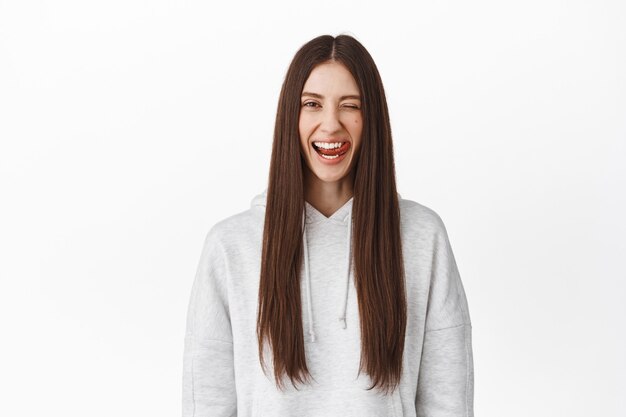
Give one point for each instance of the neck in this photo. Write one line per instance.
(327, 196)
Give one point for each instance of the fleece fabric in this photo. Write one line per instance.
(222, 374)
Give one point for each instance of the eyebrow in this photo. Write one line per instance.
(306, 93)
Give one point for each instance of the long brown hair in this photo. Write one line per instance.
(378, 262)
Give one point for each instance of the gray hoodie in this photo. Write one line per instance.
(222, 375)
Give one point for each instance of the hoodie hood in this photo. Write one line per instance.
(311, 216)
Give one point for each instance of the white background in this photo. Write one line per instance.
(129, 127)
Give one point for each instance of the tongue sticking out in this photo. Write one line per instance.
(335, 151)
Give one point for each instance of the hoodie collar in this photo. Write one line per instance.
(340, 215)
(311, 215)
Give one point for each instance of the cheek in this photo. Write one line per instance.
(304, 125)
(357, 126)
(303, 134)
(302, 131)
(357, 130)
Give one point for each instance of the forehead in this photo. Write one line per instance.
(331, 78)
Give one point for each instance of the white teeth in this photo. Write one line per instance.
(327, 145)
(329, 157)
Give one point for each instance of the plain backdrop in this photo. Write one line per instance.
(128, 128)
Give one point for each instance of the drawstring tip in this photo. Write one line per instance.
(344, 321)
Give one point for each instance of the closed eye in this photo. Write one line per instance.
(314, 104)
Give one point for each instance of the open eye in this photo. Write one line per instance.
(309, 102)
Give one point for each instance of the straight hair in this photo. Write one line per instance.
(377, 254)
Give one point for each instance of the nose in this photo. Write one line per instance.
(330, 122)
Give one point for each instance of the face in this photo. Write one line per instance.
(330, 122)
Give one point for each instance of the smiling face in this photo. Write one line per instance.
(331, 122)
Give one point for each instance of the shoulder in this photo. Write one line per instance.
(417, 218)
(240, 230)
(234, 224)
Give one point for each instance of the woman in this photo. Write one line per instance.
(331, 295)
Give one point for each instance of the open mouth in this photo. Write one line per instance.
(331, 150)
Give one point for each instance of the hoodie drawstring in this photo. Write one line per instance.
(308, 278)
(349, 263)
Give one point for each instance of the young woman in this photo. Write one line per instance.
(332, 295)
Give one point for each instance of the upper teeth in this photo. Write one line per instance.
(327, 145)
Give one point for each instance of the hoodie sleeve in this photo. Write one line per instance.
(446, 377)
(208, 371)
